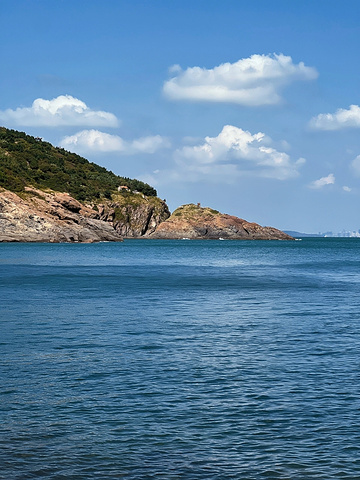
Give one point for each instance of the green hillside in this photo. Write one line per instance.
(26, 160)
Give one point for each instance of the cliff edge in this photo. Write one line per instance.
(134, 215)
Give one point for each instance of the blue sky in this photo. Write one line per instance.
(250, 107)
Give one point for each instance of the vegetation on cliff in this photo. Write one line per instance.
(134, 215)
(194, 212)
(26, 160)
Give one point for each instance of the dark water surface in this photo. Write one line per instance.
(180, 360)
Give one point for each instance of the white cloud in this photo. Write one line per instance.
(329, 180)
(250, 81)
(346, 189)
(94, 141)
(64, 110)
(342, 118)
(237, 152)
(355, 165)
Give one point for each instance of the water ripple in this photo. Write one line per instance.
(180, 360)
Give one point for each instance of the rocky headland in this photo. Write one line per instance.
(38, 216)
(48, 194)
(196, 222)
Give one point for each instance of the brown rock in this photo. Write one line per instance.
(194, 222)
(50, 217)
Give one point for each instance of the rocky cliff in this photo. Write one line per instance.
(134, 214)
(36, 216)
(98, 205)
(195, 222)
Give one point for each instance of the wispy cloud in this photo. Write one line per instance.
(323, 181)
(251, 81)
(64, 110)
(94, 141)
(342, 118)
(355, 166)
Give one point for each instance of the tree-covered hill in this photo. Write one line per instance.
(26, 160)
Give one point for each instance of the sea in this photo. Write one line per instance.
(164, 359)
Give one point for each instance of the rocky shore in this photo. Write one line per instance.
(196, 222)
(37, 216)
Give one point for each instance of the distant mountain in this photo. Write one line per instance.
(300, 235)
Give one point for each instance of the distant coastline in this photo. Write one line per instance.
(301, 235)
(343, 234)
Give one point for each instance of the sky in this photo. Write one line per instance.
(249, 107)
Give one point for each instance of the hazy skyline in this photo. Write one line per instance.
(251, 108)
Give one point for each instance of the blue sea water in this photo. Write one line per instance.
(180, 360)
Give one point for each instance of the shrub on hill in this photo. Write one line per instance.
(26, 160)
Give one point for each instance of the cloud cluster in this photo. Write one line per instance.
(323, 181)
(64, 110)
(342, 118)
(250, 81)
(94, 141)
(233, 153)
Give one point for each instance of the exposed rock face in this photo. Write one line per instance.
(38, 216)
(50, 217)
(194, 222)
(134, 215)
